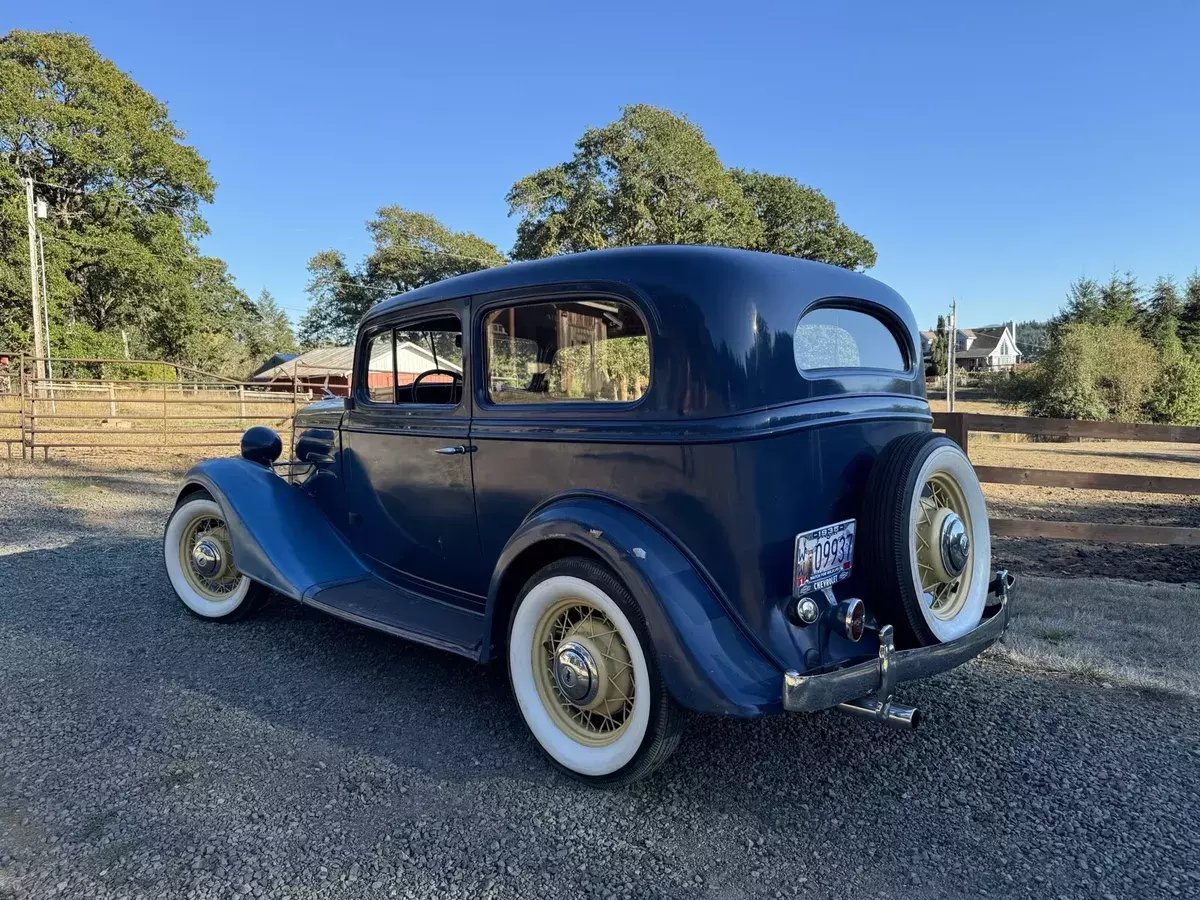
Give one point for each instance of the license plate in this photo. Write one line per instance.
(823, 557)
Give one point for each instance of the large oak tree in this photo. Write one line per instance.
(124, 191)
(651, 177)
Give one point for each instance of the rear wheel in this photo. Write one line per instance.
(927, 549)
(199, 559)
(583, 673)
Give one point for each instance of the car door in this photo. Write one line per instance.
(408, 457)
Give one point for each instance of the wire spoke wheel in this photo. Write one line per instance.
(206, 558)
(941, 528)
(583, 672)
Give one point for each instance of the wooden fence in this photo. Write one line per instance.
(959, 426)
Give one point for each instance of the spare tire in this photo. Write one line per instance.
(925, 545)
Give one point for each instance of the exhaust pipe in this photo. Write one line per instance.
(888, 712)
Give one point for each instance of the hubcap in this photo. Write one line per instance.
(575, 673)
(584, 672)
(208, 557)
(942, 534)
(955, 544)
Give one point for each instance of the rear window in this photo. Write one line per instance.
(835, 338)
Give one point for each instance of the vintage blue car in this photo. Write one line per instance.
(650, 479)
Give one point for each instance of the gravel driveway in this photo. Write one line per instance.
(144, 753)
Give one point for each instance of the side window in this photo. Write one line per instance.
(381, 369)
(836, 338)
(565, 351)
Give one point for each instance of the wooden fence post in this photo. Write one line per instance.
(112, 401)
(241, 404)
(957, 430)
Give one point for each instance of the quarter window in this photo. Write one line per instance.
(566, 351)
(836, 338)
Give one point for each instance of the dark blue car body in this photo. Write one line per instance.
(693, 494)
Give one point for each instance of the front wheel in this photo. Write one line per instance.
(583, 673)
(199, 559)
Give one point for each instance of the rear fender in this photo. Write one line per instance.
(278, 535)
(707, 662)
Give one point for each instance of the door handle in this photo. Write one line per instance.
(450, 451)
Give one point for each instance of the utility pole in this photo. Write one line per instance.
(40, 365)
(952, 348)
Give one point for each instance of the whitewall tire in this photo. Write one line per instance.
(199, 561)
(926, 546)
(584, 676)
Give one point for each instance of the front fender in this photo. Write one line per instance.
(708, 663)
(278, 535)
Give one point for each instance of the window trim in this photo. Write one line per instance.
(553, 407)
(362, 391)
(880, 313)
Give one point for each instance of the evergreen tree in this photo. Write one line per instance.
(1189, 314)
(939, 352)
(1161, 321)
(1083, 303)
(1120, 300)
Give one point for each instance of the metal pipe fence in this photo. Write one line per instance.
(175, 409)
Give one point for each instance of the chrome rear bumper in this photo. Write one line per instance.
(866, 688)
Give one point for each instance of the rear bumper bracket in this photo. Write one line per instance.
(869, 686)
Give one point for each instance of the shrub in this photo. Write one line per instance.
(1175, 397)
(1094, 372)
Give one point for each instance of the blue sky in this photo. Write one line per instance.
(992, 151)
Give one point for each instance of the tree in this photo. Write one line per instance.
(1033, 337)
(1083, 303)
(1163, 309)
(648, 178)
(939, 351)
(266, 329)
(1189, 314)
(1120, 300)
(651, 177)
(411, 250)
(798, 220)
(122, 186)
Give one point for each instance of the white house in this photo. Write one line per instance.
(991, 349)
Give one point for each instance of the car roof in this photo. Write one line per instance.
(673, 266)
(721, 321)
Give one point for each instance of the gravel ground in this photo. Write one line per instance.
(144, 753)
